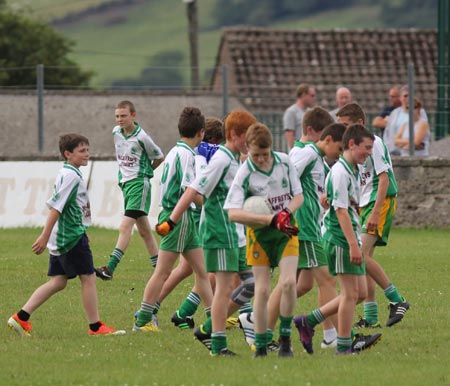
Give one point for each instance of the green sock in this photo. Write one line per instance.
(260, 340)
(392, 294)
(315, 317)
(154, 260)
(114, 259)
(270, 334)
(145, 314)
(208, 312)
(245, 308)
(207, 326)
(285, 326)
(189, 306)
(343, 344)
(156, 309)
(218, 341)
(371, 312)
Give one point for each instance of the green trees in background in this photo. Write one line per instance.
(25, 43)
(409, 13)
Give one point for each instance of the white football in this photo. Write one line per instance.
(257, 205)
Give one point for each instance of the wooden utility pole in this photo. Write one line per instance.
(193, 41)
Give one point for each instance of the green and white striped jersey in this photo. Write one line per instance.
(70, 198)
(214, 182)
(342, 186)
(134, 153)
(379, 162)
(278, 185)
(310, 167)
(178, 173)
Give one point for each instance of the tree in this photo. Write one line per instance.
(25, 43)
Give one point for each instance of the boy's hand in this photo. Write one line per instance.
(39, 245)
(164, 228)
(282, 222)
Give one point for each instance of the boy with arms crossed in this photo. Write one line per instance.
(223, 241)
(378, 206)
(269, 174)
(137, 156)
(64, 234)
(178, 174)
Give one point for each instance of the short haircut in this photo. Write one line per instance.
(259, 135)
(214, 132)
(352, 110)
(316, 118)
(302, 89)
(126, 104)
(336, 130)
(239, 121)
(191, 121)
(68, 142)
(356, 132)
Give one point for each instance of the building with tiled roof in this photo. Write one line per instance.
(264, 66)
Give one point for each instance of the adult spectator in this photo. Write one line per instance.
(421, 134)
(380, 121)
(293, 116)
(343, 96)
(396, 119)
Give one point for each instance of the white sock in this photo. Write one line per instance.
(330, 335)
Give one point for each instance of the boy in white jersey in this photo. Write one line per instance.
(269, 174)
(378, 206)
(223, 241)
(178, 174)
(137, 156)
(64, 235)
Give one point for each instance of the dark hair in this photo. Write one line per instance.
(302, 89)
(214, 131)
(316, 118)
(336, 130)
(191, 121)
(352, 110)
(356, 132)
(68, 142)
(126, 104)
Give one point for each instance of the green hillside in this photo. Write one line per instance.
(119, 43)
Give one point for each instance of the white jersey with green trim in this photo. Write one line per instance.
(379, 162)
(310, 167)
(342, 186)
(178, 173)
(70, 198)
(214, 182)
(278, 185)
(134, 153)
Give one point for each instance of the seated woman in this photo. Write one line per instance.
(421, 134)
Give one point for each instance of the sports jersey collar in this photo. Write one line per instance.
(69, 166)
(181, 143)
(350, 169)
(316, 148)
(253, 167)
(233, 156)
(299, 143)
(135, 132)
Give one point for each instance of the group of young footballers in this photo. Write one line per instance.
(333, 199)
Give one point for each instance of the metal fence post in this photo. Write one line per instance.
(225, 89)
(40, 97)
(411, 106)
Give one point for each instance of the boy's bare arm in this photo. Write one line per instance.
(374, 218)
(347, 229)
(157, 162)
(41, 242)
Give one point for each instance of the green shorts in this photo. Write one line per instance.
(339, 260)
(226, 260)
(183, 237)
(137, 194)
(387, 213)
(311, 255)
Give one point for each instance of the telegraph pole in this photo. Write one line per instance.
(193, 40)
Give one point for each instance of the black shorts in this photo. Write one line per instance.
(78, 261)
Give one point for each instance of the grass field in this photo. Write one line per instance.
(414, 352)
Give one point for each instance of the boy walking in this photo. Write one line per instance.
(137, 156)
(64, 235)
(269, 174)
